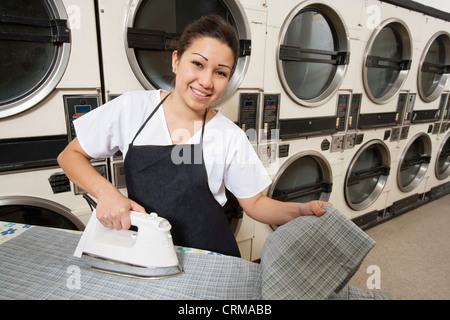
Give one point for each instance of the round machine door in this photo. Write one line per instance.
(414, 162)
(433, 68)
(34, 52)
(442, 168)
(313, 54)
(155, 26)
(387, 60)
(304, 177)
(367, 175)
(36, 211)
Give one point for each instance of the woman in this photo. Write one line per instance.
(180, 154)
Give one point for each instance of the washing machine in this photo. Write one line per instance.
(137, 40)
(49, 60)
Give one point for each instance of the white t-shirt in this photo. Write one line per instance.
(230, 159)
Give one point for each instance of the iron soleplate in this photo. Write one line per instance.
(127, 270)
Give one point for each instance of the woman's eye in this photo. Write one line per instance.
(196, 63)
(222, 74)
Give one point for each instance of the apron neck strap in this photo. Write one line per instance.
(203, 126)
(156, 109)
(149, 117)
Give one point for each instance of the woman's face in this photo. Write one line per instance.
(202, 72)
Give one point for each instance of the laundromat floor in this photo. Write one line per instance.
(411, 259)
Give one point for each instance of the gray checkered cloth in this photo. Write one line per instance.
(39, 264)
(312, 258)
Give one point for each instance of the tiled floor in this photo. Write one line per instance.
(412, 255)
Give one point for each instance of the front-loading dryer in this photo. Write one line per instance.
(139, 36)
(308, 56)
(309, 49)
(432, 105)
(363, 190)
(48, 59)
(439, 179)
(411, 171)
(137, 40)
(305, 169)
(391, 37)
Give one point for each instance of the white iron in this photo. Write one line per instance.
(148, 252)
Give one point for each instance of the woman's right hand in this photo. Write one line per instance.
(113, 209)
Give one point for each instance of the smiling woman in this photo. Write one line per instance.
(150, 127)
(202, 75)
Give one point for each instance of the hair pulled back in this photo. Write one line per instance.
(212, 26)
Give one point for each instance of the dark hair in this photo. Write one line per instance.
(213, 26)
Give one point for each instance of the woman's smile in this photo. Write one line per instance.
(199, 94)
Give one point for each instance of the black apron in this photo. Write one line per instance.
(179, 192)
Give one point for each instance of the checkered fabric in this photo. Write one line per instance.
(308, 258)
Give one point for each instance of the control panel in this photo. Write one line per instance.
(248, 113)
(76, 106)
(341, 111)
(347, 115)
(270, 116)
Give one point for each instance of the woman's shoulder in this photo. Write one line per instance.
(230, 133)
(225, 123)
(152, 96)
(136, 103)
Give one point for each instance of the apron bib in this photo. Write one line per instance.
(179, 192)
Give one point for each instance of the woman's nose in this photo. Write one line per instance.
(205, 79)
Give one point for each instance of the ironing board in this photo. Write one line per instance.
(308, 258)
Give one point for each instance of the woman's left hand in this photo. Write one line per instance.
(314, 208)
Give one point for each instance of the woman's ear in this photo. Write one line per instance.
(175, 60)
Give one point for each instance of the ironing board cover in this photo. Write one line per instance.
(39, 264)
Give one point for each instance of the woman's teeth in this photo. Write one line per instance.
(199, 93)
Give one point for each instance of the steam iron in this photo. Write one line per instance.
(146, 253)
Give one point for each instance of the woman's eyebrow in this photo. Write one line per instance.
(220, 65)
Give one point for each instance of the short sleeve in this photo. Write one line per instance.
(245, 174)
(96, 130)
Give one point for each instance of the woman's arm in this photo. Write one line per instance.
(112, 207)
(270, 211)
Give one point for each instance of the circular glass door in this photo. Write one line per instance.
(154, 27)
(39, 212)
(34, 52)
(434, 67)
(388, 60)
(414, 162)
(305, 177)
(442, 168)
(313, 54)
(367, 175)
